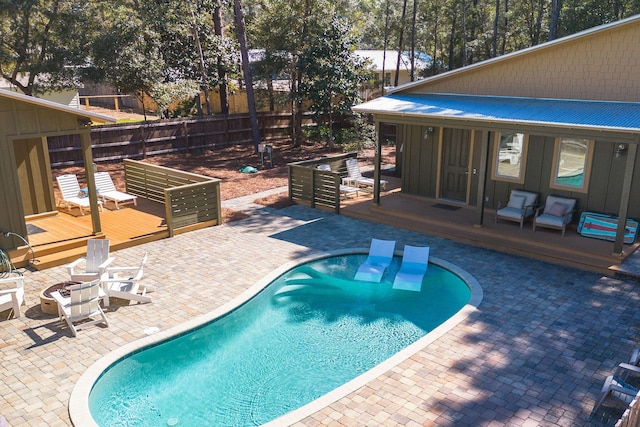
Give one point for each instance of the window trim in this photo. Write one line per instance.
(587, 167)
(523, 160)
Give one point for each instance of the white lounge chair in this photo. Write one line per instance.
(96, 261)
(72, 195)
(107, 190)
(615, 386)
(126, 286)
(83, 303)
(354, 176)
(415, 261)
(380, 256)
(345, 190)
(12, 293)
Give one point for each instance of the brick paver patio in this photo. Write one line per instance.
(535, 353)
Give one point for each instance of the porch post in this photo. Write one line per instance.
(624, 199)
(376, 166)
(87, 157)
(482, 178)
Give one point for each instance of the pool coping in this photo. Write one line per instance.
(80, 414)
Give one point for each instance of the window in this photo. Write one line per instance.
(509, 156)
(571, 164)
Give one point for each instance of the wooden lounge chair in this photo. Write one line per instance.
(96, 261)
(380, 257)
(415, 261)
(83, 303)
(126, 286)
(12, 293)
(107, 191)
(72, 195)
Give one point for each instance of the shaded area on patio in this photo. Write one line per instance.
(456, 222)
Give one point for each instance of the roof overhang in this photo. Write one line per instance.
(604, 120)
(43, 103)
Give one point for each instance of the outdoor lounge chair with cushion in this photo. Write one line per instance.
(83, 303)
(521, 205)
(415, 261)
(12, 293)
(557, 213)
(354, 176)
(380, 256)
(72, 194)
(615, 386)
(124, 282)
(96, 261)
(107, 190)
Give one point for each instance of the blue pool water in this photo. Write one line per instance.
(295, 341)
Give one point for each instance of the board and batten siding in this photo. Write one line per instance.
(24, 126)
(421, 156)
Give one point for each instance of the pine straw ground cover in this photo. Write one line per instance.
(225, 164)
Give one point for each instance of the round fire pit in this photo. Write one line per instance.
(47, 303)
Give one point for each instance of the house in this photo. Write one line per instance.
(26, 187)
(561, 118)
(386, 61)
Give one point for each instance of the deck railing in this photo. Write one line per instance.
(631, 417)
(310, 186)
(191, 201)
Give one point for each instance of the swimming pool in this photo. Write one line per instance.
(242, 369)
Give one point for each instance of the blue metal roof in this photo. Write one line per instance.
(592, 115)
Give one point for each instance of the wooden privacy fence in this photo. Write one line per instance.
(191, 201)
(310, 186)
(136, 141)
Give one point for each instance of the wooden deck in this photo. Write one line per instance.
(456, 222)
(63, 236)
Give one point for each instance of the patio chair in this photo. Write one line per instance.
(380, 256)
(557, 213)
(415, 261)
(124, 283)
(355, 178)
(96, 261)
(72, 194)
(83, 303)
(521, 205)
(345, 190)
(12, 293)
(615, 386)
(107, 191)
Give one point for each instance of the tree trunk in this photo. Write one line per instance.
(404, 12)
(506, 25)
(496, 20)
(384, 52)
(222, 70)
(413, 40)
(242, 40)
(452, 41)
(556, 5)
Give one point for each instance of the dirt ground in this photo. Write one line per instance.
(225, 164)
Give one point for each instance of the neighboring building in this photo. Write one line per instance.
(67, 97)
(385, 63)
(561, 118)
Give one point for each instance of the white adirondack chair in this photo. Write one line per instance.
(83, 303)
(124, 282)
(96, 261)
(12, 293)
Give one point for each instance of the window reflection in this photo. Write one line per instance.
(571, 162)
(511, 147)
